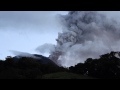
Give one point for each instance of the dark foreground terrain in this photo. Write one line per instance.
(65, 75)
(106, 67)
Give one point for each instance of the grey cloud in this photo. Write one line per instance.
(83, 34)
(87, 34)
(46, 48)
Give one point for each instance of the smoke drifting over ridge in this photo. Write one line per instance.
(26, 30)
(86, 34)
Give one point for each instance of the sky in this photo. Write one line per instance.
(26, 30)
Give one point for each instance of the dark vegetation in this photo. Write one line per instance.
(106, 67)
(26, 68)
(65, 75)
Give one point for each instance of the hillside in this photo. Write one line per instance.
(27, 67)
(41, 67)
(65, 75)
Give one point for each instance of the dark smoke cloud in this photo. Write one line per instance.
(49, 48)
(86, 34)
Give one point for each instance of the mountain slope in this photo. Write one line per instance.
(40, 58)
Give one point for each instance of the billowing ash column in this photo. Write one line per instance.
(86, 34)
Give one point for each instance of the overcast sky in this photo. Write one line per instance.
(26, 30)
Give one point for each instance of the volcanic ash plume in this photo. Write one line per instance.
(86, 34)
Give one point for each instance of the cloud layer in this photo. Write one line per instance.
(86, 34)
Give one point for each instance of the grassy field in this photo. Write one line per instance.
(65, 75)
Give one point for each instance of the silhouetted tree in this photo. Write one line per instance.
(107, 67)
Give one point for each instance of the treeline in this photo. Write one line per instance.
(26, 68)
(106, 67)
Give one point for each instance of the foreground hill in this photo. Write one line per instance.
(65, 75)
(27, 67)
(40, 67)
